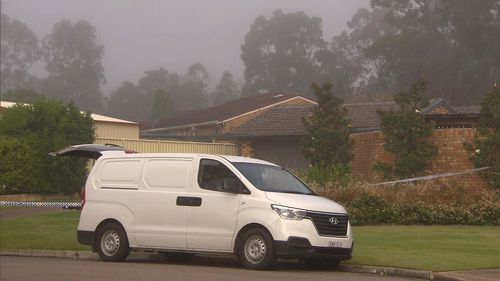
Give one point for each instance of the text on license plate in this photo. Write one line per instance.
(335, 244)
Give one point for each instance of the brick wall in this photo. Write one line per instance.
(368, 148)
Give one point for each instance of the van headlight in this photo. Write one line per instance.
(289, 213)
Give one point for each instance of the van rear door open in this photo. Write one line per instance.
(91, 151)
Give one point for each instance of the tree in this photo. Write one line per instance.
(327, 140)
(73, 62)
(189, 92)
(226, 90)
(162, 105)
(280, 53)
(154, 86)
(344, 61)
(19, 51)
(198, 72)
(486, 147)
(29, 133)
(22, 96)
(405, 131)
(454, 44)
(127, 102)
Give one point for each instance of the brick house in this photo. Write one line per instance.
(222, 123)
(269, 127)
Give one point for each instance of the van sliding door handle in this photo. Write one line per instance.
(188, 201)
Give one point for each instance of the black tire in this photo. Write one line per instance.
(256, 249)
(323, 263)
(112, 243)
(178, 257)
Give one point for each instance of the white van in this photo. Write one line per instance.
(183, 204)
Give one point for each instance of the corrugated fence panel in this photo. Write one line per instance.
(152, 146)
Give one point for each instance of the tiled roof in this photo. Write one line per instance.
(468, 109)
(435, 103)
(286, 120)
(363, 116)
(283, 120)
(224, 111)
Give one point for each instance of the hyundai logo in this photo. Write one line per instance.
(333, 221)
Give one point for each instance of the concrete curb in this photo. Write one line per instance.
(393, 271)
(382, 271)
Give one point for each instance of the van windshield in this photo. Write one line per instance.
(272, 178)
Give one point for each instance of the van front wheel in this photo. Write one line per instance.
(112, 243)
(256, 249)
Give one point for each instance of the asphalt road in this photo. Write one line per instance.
(54, 269)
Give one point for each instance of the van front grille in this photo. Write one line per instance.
(329, 224)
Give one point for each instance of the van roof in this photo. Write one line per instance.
(230, 158)
(241, 159)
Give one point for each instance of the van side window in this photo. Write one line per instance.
(214, 175)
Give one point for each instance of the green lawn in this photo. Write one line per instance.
(49, 231)
(437, 248)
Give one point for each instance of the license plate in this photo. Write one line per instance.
(335, 244)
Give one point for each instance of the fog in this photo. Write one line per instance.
(145, 35)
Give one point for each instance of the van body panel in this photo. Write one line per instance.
(96, 212)
(255, 212)
(159, 200)
(160, 222)
(211, 225)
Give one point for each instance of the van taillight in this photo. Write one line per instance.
(82, 203)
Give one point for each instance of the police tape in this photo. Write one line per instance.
(431, 177)
(64, 205)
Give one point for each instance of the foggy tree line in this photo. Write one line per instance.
(453, 45)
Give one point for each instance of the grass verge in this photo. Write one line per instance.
(436, 248)
(49, 231)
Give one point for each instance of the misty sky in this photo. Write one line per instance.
(140, 35)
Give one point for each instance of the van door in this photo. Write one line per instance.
(211, 225)
(160, 222)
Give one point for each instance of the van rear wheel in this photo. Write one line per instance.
(256, 249)
(112, 244)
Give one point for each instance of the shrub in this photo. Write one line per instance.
(442, 202)
(29, 133)
(327, 176)
(405, 131)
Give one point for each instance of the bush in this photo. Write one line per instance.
(328, 175)
(436, 202)
(28, 133)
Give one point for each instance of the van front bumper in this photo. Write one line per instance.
(298, 247)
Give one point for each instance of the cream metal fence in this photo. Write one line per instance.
(151, 146)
